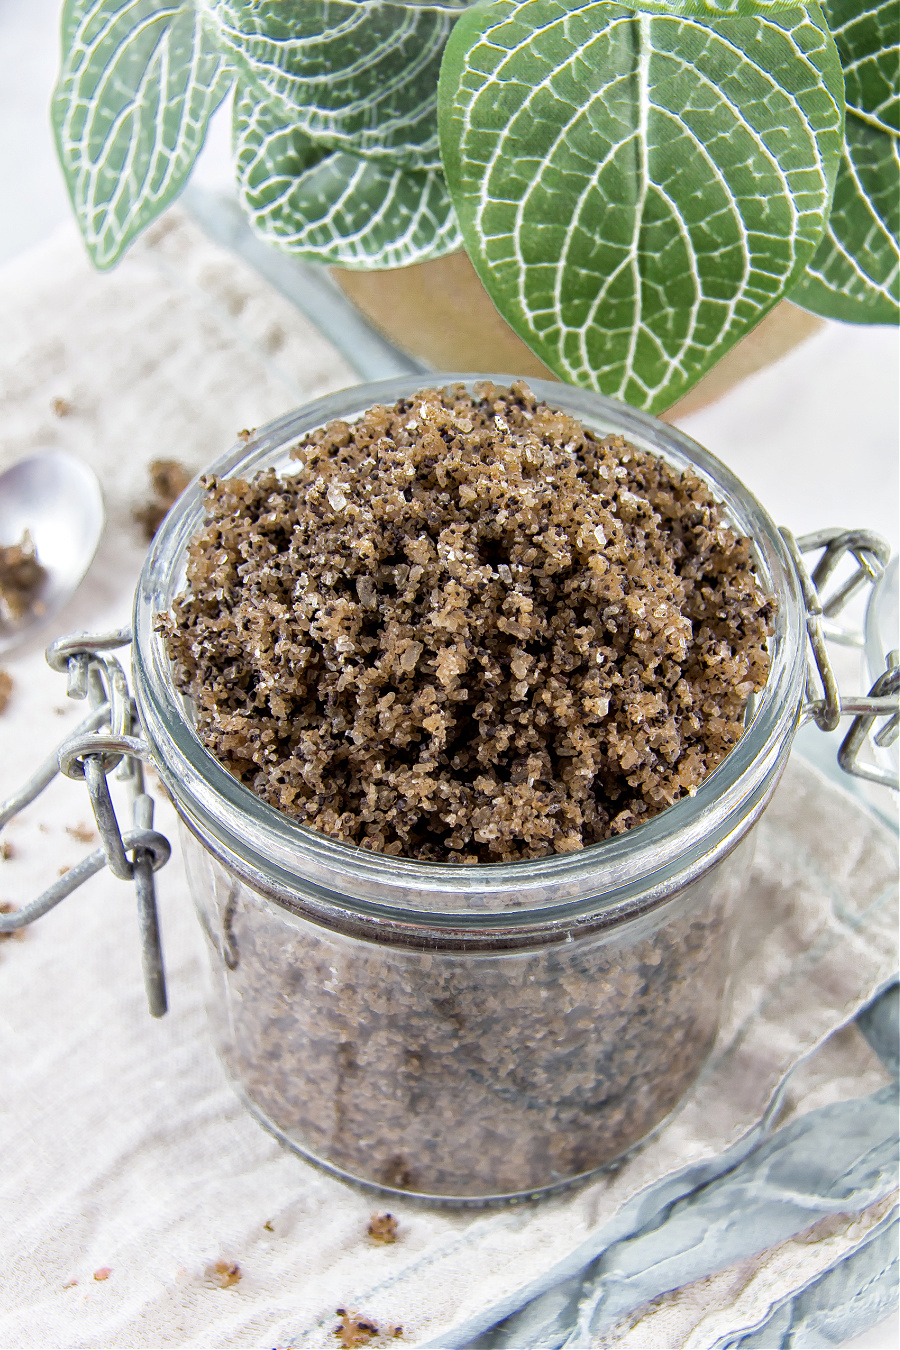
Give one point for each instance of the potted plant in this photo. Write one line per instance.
(637, 185)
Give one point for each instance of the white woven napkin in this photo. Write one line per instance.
(123, 1146)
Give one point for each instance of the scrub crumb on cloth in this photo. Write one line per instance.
(382, 1228)
(354, 1330)
(223, 1274)
(7, 907)
(168, 479)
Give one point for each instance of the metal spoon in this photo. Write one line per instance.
(55, 499)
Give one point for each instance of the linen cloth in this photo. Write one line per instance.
(123, 1145)
(701, 1270)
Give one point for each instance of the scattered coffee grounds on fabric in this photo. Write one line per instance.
(21, 579)
(85, 834)
(469, 630)
(168, 479)
(383, 1228)
(7, 907)
(353, 1330)
(223, 1274)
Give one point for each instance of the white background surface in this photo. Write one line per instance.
(815, 438)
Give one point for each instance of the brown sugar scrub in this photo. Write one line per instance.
(467, 629)
(464, 1075)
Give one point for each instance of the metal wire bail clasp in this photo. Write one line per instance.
(105, 740)
(825, 705)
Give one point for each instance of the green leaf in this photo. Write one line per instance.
(713, 9)
(868, 42)
(855, 273)
(138, 84)
(333, 206)
(358, 75)
(637, 190)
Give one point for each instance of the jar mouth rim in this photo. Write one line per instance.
(261, 842)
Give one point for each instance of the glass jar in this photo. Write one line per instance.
(480, 1032)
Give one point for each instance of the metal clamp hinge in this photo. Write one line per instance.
(105, 741)
(824, 703)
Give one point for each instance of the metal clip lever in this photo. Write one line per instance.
(151, 949)
(871, 554)
(91, 757)
(888, 683)
(103, 741)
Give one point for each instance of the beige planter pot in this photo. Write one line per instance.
(440, 312)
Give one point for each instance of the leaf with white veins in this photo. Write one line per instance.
(855, 272)
(868, 42)
(332, 206)
(139, 82)
(358, 75)
(636, 190)
(713, 9)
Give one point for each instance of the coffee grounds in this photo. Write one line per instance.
(467, 629)
(168, 479)
(21, 579)
(459, 1074)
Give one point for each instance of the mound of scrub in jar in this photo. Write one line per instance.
(468, 629)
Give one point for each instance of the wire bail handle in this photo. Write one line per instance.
(105, 741)
(824, 704)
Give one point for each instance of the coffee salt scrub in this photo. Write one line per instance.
(469, 631)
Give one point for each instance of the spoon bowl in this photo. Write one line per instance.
(55, 499)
